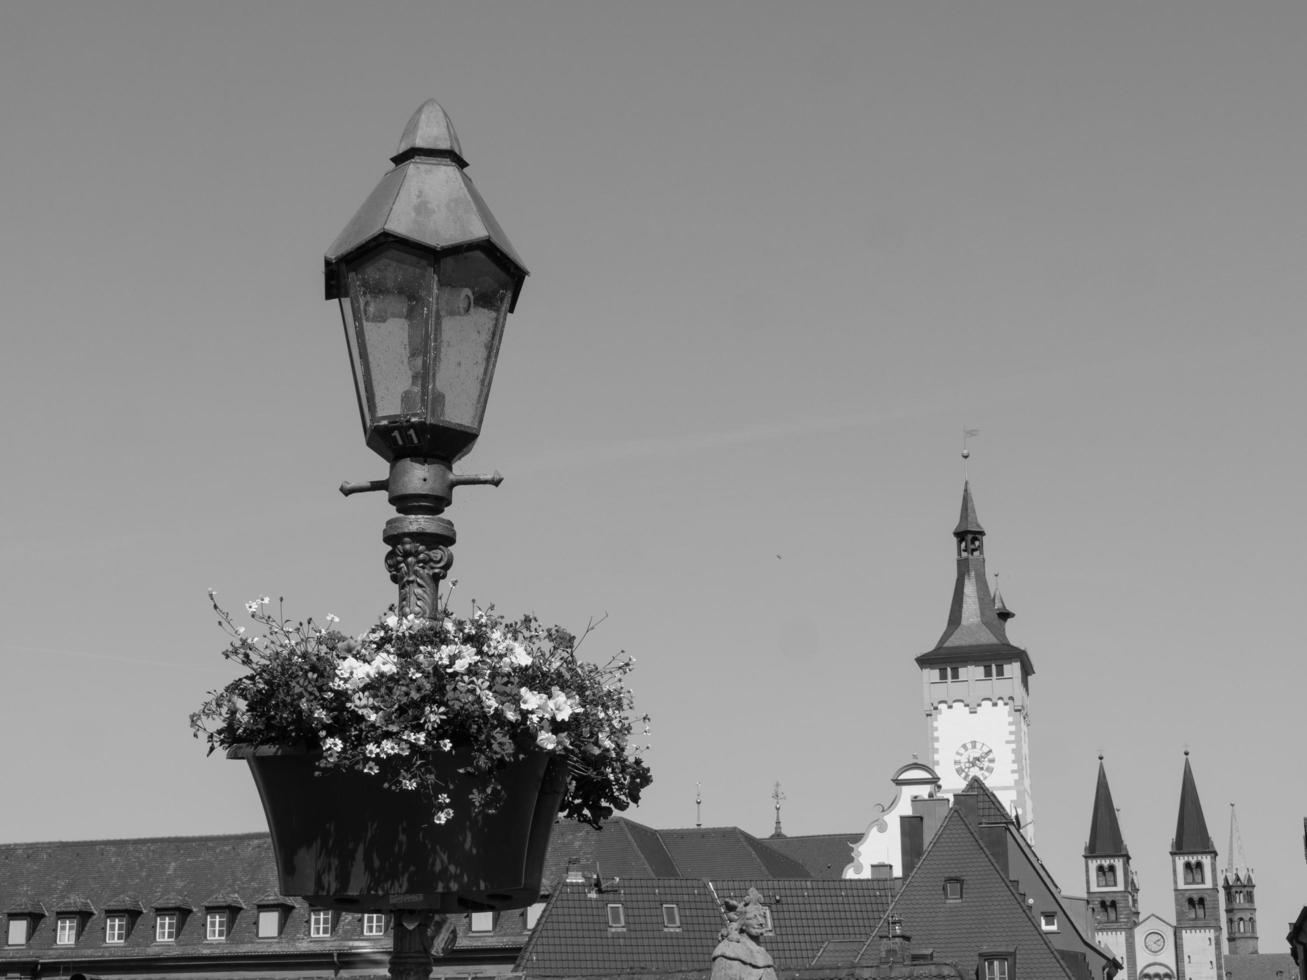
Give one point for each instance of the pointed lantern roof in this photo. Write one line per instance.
(977, 625)
(1105, 838)
(1191, 834)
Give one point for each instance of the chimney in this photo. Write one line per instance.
(932, 810)
(911, 842)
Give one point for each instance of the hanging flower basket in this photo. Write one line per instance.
(344, 841)
(423, 763)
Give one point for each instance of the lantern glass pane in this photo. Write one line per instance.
(390, 294)
(472, 301)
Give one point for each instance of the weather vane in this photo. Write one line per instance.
(966, 453)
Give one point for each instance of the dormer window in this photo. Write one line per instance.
(20, 930)
(65, 930)
(165, 927)
(115, 927)
(215, 925)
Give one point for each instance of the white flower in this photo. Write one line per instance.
(517, 655)
(332, 618)
(547, 740)
(531, 701)
(561, 706)
(252, 607)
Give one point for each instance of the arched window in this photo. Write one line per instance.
(1100, 876)
(1193, 909)
(1202, 908)
(1238, 926)
(1111, 912)
(1252, 925)
(1188, 872)
(1198, 872)
(1111, 876)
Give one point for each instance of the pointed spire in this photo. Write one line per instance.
(973, 619)
(1000, 607)
(1105, 838)
(968, 522)
(1190, 826)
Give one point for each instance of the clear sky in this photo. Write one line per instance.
(781, 255)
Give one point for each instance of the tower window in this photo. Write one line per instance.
(1193, 909)
(1188, 873)
(1202, 908)
(1110, 875)
(1111, 912)
(1100, 876)
(1198, 873)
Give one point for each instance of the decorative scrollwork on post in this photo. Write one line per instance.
(419, 558)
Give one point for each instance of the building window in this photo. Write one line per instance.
(996, 968)
(319, 924)
(374, 923)
(215, 925)
(1202, 908)
(533, 915)
(1048, 921)
(616, 916)
(1111, 912)
(483, 922)
(1199, 876)
(671, 917)
(1110, 876)
(269, 923)
(943, 673)
(17, 931)
(1000, 670)
(65, 930)
(165, 927)
(954, 673)
(989, 670)
(953, 890)
(1100, 876)
(115, 928)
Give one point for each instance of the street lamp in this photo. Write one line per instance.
(425, 278)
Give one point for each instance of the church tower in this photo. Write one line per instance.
(977, 685)
(1193, 877)
(1109, 882)
(1240, 905)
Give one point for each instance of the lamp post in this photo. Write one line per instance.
(425, 278)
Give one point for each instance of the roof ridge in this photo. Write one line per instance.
(171, 838)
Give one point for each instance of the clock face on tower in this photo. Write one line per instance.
(1154, 942)
(974, 759)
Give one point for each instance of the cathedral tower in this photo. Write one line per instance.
(1109, 882)
(1240, 913)
(977, 685)
(1193, 877)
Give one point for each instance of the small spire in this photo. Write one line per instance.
(1000, 607)
(429, 133)
(968, 522)
(777, 796)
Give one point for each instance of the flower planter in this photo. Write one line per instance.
(343, 841)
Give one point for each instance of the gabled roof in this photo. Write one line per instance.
(727, 852)
(573, 937)
(1105, 838)
(990, 915)
(823, 855)
(1190, 826)
(806, 914)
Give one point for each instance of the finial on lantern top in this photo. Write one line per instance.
(429, 133)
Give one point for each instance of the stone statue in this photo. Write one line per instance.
(738, 956)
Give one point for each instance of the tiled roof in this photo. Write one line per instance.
(1104, 829)
(143, 875)
(727, 852)
(1260, 966)
(990, 915)
(989, 808)
(823, 855)
(807, 913)
(573, 936)
(837, 952)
